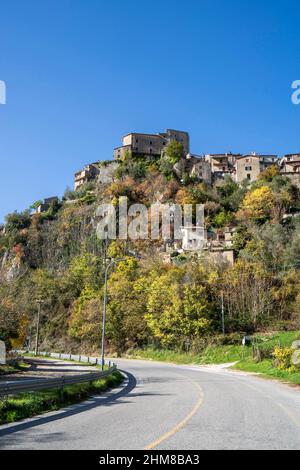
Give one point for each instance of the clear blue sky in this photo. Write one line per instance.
(81, 73)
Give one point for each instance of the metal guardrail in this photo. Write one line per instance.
(67, 357)
(14, 387)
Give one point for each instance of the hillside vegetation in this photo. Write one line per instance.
(56, 257)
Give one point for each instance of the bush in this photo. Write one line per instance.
(282, 358)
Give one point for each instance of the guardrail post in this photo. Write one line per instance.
(62, 388)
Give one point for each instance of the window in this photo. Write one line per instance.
(248, 177)
(248, 168)
(137, 140)
(150, 142)
(150, 150)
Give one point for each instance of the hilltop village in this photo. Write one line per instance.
(209, 169)
(169, 154)
(205, 168)
(245, 256)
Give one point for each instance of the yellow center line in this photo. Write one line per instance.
(181, 424)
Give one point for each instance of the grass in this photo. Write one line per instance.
(211, 355)
(13, 368)
(220, 354)
(26, 405)
(267, 369)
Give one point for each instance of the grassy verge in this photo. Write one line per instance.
(267, 369)
(13, 368)
(27, 405)
(220, 354)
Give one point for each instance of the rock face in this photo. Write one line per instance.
(296, 344)
(296, 357)
(296, 354)
(106, 172)
(2, 353)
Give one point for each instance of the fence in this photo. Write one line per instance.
(68, 357)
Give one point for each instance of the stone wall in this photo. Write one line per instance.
(106, 172)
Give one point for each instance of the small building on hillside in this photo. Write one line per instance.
(199, 168)
(249, 167)
(151, 145)
(222, 164)
(44, 206)
(193, 238)
(88, 173)
(290, 163)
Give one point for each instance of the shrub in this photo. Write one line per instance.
(282, 358)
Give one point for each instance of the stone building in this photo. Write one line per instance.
(195, 166)
(102, 172)
(290, 167)
(44, 206)
(88, 173)
(193, 238)
(249, 167)
(222, 164)
(290, 163)
(151, 145)
(199, 168)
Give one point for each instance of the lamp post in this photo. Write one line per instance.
(223, 316)
(39, 302)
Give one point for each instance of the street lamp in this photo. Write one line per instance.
(112, 262)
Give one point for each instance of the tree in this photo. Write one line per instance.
(174, 151)
(86, 317)
(269, 173)
(257, 204)
(248, 295)
(126, 325)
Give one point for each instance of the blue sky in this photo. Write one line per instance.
(80, 74)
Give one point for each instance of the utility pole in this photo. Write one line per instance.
(104, 317)
(39, 302)
(223, 316)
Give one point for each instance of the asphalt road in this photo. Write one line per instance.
(170, 407)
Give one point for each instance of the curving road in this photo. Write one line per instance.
(164, 406)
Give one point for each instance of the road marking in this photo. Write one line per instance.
(181, 424)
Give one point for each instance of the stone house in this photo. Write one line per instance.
(199, 168)
(249, 167)
(193, 238)
(222, 164)
(290, 163)
(102, 171)
(46, 204)
(88, 173)
(151, 145)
